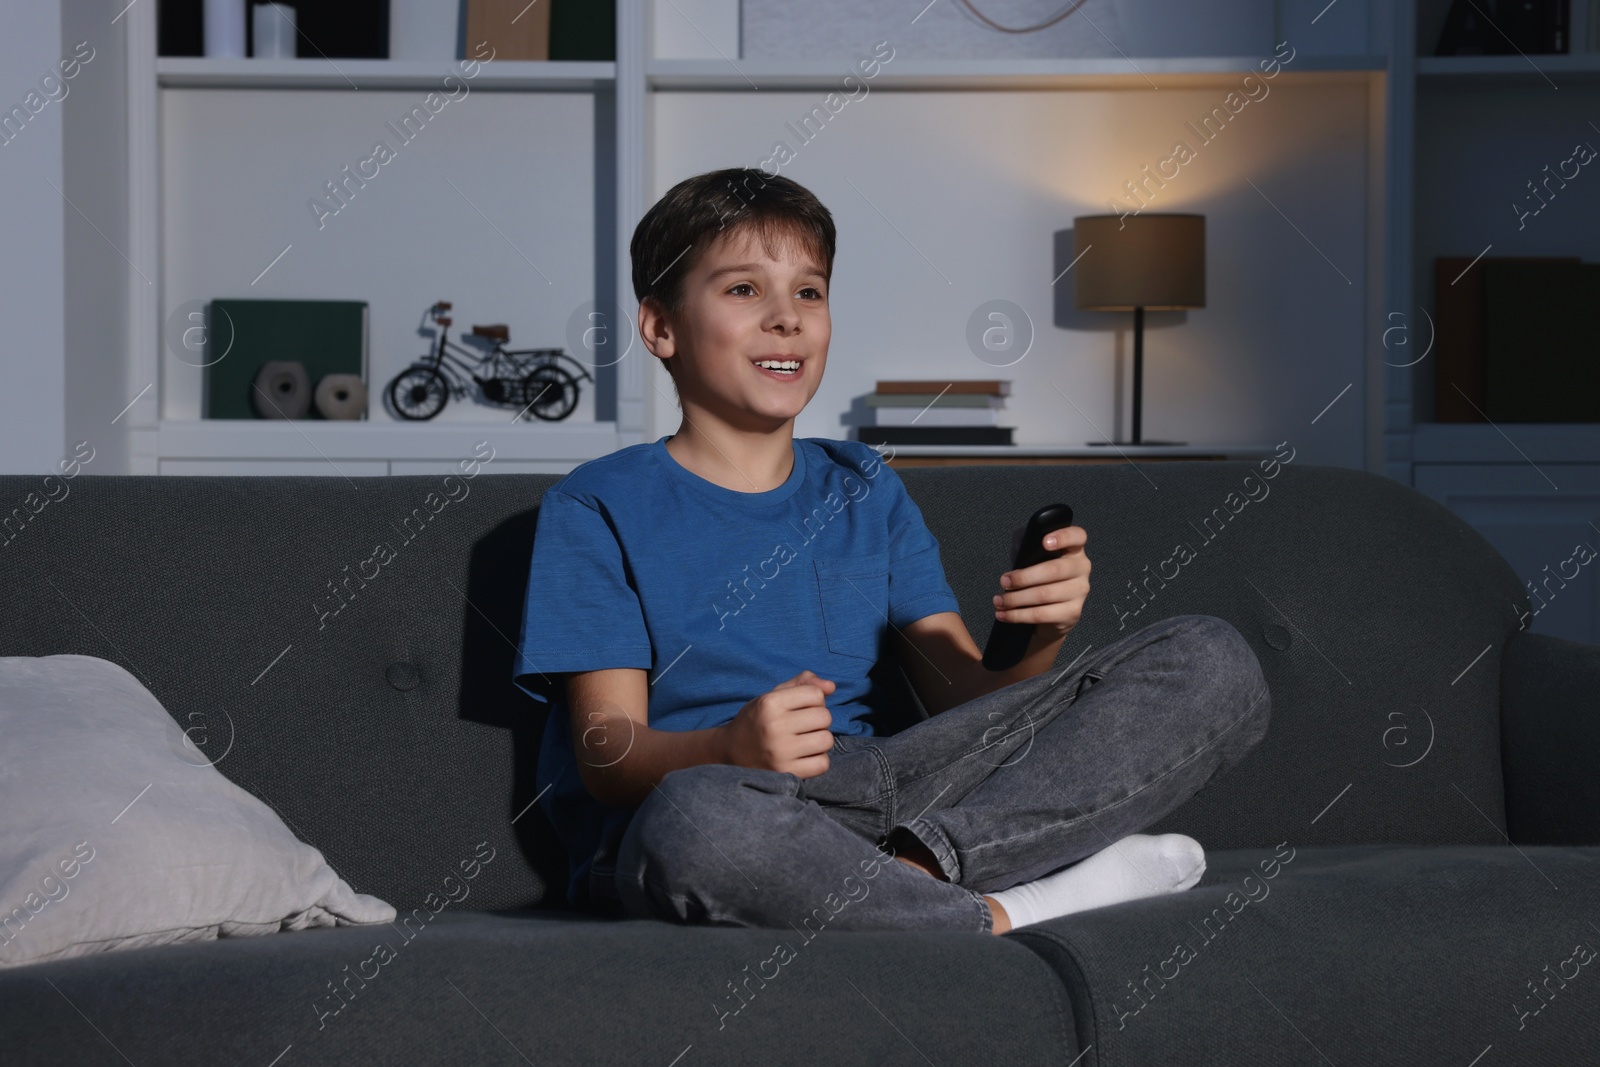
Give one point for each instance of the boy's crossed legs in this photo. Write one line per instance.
(993, 794)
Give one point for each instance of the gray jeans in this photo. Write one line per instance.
(1002, 789)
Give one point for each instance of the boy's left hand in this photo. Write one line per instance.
(1049, 593)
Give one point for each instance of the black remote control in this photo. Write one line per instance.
(1008, 641)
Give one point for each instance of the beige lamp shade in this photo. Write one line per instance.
(1157, 262)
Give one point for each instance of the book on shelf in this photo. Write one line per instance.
(918, 412)
(1460, 392)
(350, 29)
(1505, 27)
(1538, 342)
(937, 415)
(513, 28)
(959, 387)
(327, 336)
(934, 435)
(922, 400)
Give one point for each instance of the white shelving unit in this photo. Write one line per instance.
(1440, 202)
(621, 93)
(165, 440)
(1466, 135)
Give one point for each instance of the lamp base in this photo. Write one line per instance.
(1140, 444)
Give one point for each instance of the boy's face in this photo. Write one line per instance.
(742, 306)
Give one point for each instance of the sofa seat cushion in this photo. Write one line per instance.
(1351, 954)
(561, 988)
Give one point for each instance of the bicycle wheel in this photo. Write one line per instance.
(555, 392)
(419, 393)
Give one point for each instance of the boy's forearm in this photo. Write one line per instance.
(646, 756)
(977, 680)
(1041, 655)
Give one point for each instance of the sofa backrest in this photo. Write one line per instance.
(364, 692)
(1379, 617)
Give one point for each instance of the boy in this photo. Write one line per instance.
(703, 613)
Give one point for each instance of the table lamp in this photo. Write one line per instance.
(1138, 262)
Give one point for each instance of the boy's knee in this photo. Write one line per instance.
(685, 800)
(656, 850)
(704, 791)
(685, 840)
(1224, 645)
(1222, 641)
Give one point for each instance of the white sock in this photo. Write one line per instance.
(1139, 865)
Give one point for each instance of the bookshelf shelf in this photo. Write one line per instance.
(1496, 68)
(1507, 442)
(316, 439)
(970, 74)
(174, 72)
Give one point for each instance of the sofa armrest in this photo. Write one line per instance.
(1550, 739)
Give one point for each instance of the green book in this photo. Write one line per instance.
(583, 30)
(328, 336)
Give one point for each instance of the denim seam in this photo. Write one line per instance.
(985, 746)
(985, 917)
(939, 846)
(1026, 708)
(1170, 770)
(873, 801)
(886, 775)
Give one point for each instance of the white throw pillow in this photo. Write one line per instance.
(116, 834)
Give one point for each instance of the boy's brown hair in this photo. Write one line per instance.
(696, 212)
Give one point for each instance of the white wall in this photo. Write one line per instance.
(946, 200)
(32, 406)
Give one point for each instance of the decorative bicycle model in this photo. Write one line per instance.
(532, 379)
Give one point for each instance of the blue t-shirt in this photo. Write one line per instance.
(719, 595)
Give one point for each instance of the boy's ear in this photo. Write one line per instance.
(649, 315)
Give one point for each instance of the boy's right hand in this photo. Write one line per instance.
(785, 729)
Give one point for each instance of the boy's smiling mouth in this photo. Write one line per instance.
(783, 368)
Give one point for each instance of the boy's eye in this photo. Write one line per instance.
(817, 293)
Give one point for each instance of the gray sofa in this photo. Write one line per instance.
(1403, 871)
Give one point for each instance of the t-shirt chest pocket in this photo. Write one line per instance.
(854, 594)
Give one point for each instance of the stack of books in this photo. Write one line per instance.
(907, 412)
(1539, 27)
